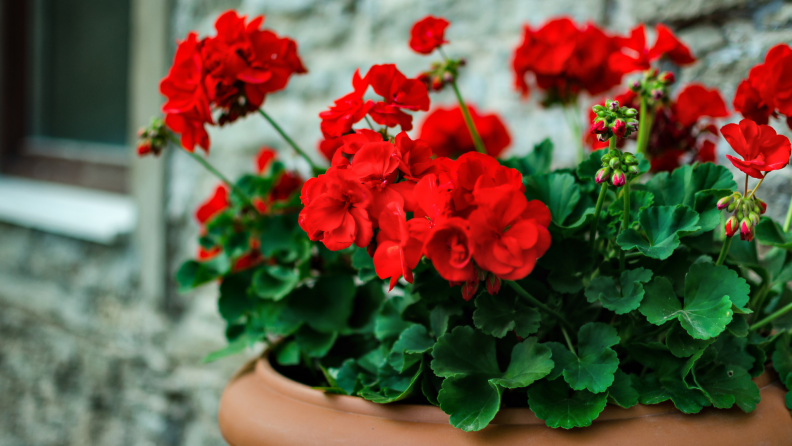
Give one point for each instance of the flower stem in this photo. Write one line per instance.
(597, 210)
(772, 317)
(724, 250)
(368, 121)
(568, 341)
(646, 119)
(756, 187)
(570, 114)
(758, 301)
(465, 112)
(291, 142)
(527, 296)
(202, 161)
(788, 220)
(625, 219)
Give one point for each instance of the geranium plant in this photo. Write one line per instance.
(426, 270)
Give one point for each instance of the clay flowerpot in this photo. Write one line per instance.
(260, 407)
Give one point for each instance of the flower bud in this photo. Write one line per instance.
(657, 94)
(599, 127)
(619, 128)
(614, 105)
(598, 108)
(633, 169)
(425, 78)
(615, 163)
(667, 78)
(732, 207)
(632, 126)
(631, 113)
(746, 230)
(629, 158)
(731, 226)
(437, 84)
(448, 76)
(740, 214)
(493, 284)
(605, 158)
(469, 289)
(635, 86)
(602, 175)
(762, 206)
(603, 137)
(462, 62)
(724, 202)
(618, 179)
(754, 217)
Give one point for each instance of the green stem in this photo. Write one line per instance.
(772, 317)
(597, 210)
(724, 250)
(625, 218)
(202, 161)
(788, 220)
(527, 296)
(291, 142)
(758, 301)
(570, 114)
(465, 112)
(646, 119)
(368, 121)
(568, 341)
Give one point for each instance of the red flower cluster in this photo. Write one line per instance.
(232, 72)
(428, 34)
(566, 59)
(768, 89)
(760, 147)
(445, 131)
(636, 56)
(681, 134)
(470, 216)
(398, 93)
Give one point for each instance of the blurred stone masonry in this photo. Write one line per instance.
(85, 360)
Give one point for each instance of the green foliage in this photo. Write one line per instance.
(603, 289)
(596, 363)
(498, 315)
(559, 406)
(535, 163)
(663, 226)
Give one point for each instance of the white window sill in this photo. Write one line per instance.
(86, 214)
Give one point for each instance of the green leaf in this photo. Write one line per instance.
(559, 406)
(410, 347)
(313, 343)
(275, 281)
(596, 363)
(727, 386)
(193, 274)
(388, 322)
(498, 315)
(681, 344)
(362, 262)
(471, 400)
(621, 392)
(288, 354)
(392, 386)
(440, 316)
(561, 357)
(536, 162)
(738, 326)
(655, 391)
(236, 346)
(234, 301)
(557, 190)
(782, 356)
(603, 289)
(465, 351)
(530, 361)
(565, 282)
(430, 386)
(639, 200)
(770, 233)
(326, 307)
(663, 226)
(707, 306)
(587, 169)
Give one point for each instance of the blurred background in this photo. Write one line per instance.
(96, 345)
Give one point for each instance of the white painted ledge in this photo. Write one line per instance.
(86, 214)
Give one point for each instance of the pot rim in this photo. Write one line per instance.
(288, 388)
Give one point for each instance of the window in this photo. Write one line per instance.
(65, 66)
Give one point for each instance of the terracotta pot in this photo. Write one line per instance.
(260, 407)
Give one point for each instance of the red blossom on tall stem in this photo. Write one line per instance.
(761, 148)
(768, 90)
(428, 34)
(635, 55)
(444, 129)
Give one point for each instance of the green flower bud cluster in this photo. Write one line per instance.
(745, 214)
(654, 86)
(617, 167)
(441, 74)
(154, 138)
(614, 120)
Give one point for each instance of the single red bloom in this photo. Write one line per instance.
(695, 102)
(668, 45)
(749, 103)
(416, 156)
(265, 156)
(445, 131)
(398, 92)
(328, 147)
(144, 148)
(217, 203)
(636, 56)
(449, 247)
(347, 110)
(192, 130)
(509, 233)
(397, 252)
(760, 147)
(428, 34)
(335, 210)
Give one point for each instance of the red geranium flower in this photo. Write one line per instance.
(335, 210)
(509, 233)
(264, 158)
(761, 148)
(217, 203)
(398, 92)
(695, 102)
(636, 56)
(450, 249)
(428, 34)
(445, 131)
(347, 110)
(768, 89)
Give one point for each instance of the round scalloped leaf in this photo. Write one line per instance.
(410, 347)
(603, 288)
(465, 351)
(596, 363)
(663, 226)
(275, 281)
(471, 400)
(622, 392)
(559, 406)
(530, 361)
(727, 386)
(557, 190)
(498, 315)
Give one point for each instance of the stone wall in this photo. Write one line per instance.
(86, 360)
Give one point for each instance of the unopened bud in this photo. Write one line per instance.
(667, 78)
(731, 226)
(598, 108)
(603, 137)
(732, 207)
(599, 127)
(614, 105)
(602, 175)
(469, 289)
(746, 230)
(493, 284)
(762, 206)
(618, 179)
(619, 128)
(657, 94)
(437, 84)
(724, 202)
(635, 86)
(754, 217)
(448, 76)
(630, 112)
(615, 163)
(633, 169)
(629, 158)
